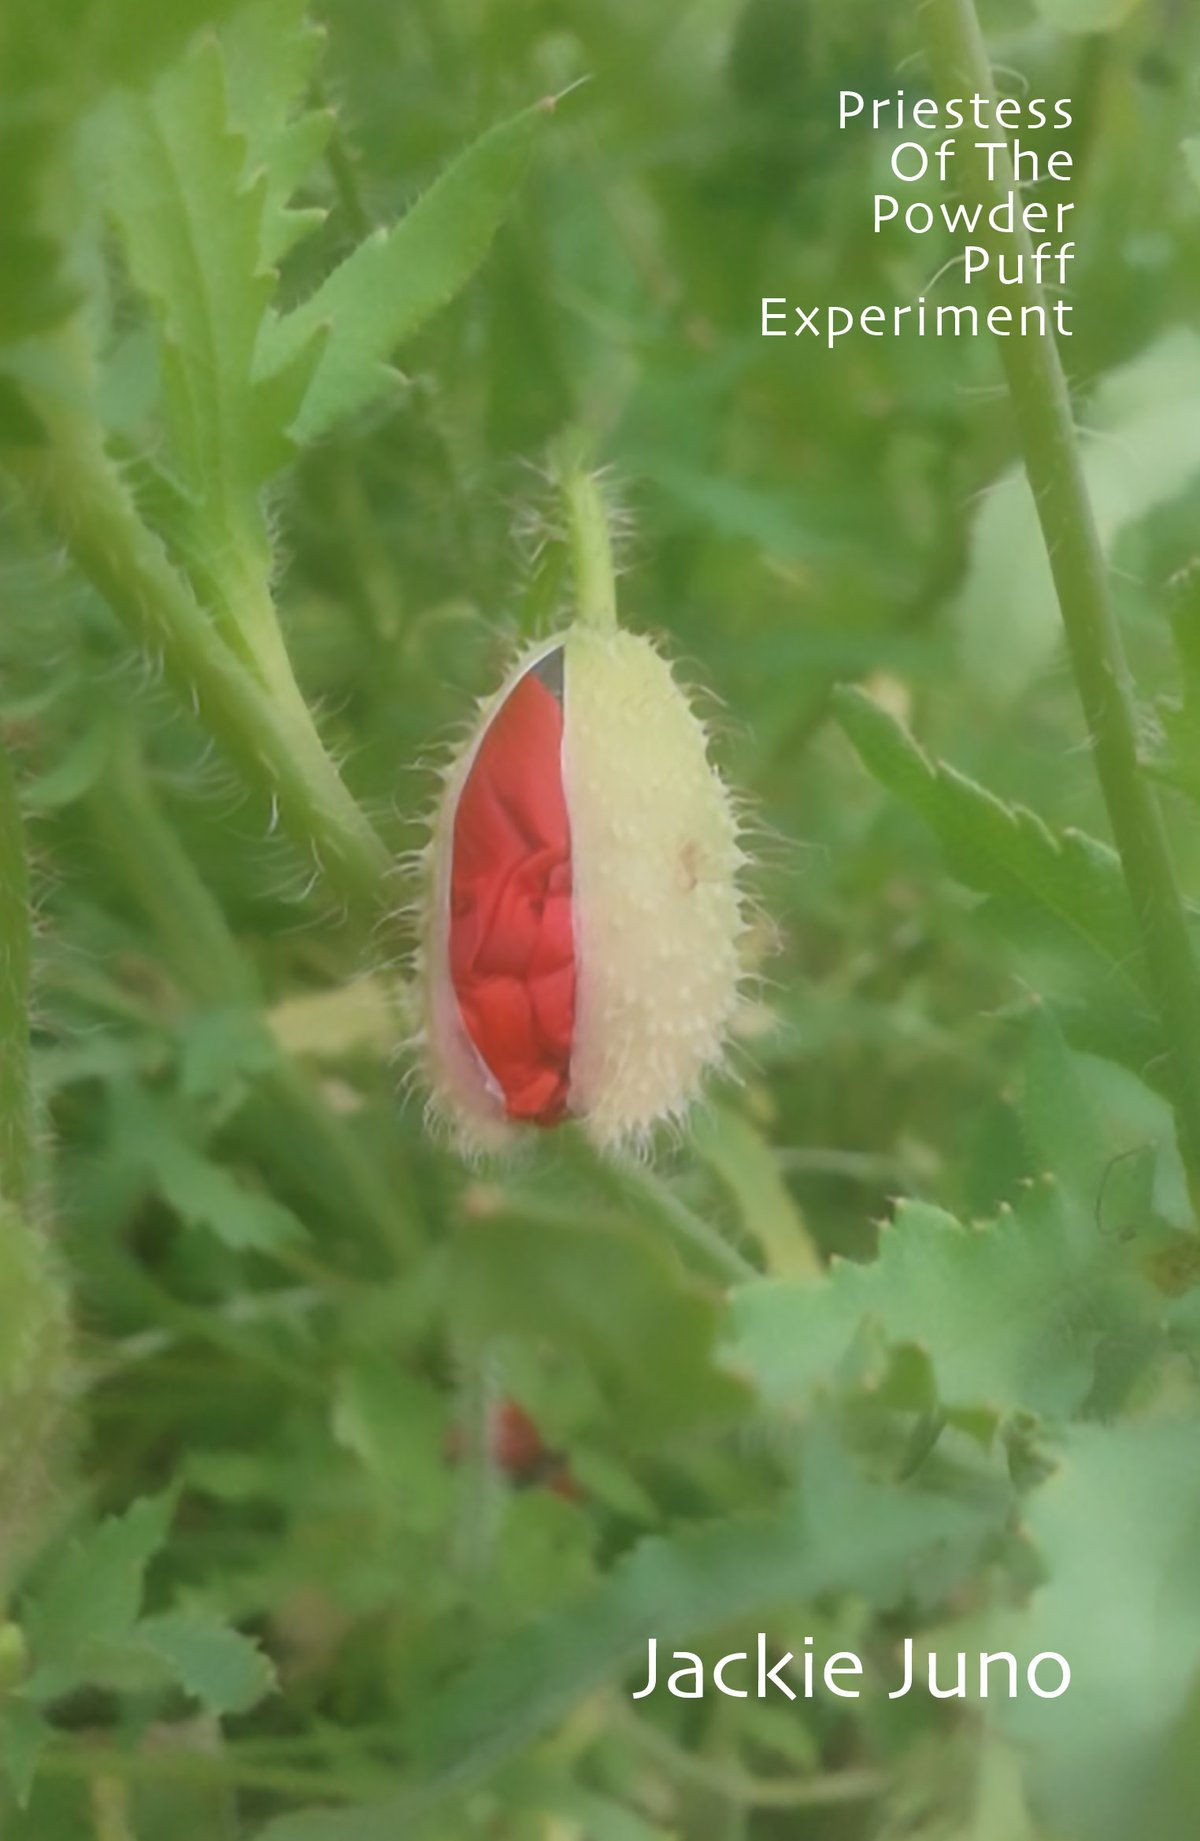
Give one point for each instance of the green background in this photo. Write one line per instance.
(277, 1564)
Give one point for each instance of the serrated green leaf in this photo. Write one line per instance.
(199, 176)
(1029, 874)
(394, 281)
(842, 1532)
(204, 1194)
(222, 1669)
(89, 1600)
(1014, 1315)
(830, 1537)
(221, 1052)
(24, 1735)
(1116, 1527)
(271, 50)
(198, 220)
(1008, 1315)
(154, 1150)
(192, 225)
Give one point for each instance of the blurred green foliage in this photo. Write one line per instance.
(377, 1472)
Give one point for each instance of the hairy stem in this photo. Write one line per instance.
(33, 1317)
(630, 1184)
(591, 548)
(959, 65)
(273, 740)
(142, 847)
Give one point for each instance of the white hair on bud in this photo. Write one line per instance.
(660, 918)
(659, 914)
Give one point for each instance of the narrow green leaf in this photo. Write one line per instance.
(747, 1166)
(91, 1596)
(394, 281)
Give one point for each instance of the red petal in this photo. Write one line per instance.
(512, 947)
(516, 1443)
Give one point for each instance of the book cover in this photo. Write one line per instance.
(599, 961)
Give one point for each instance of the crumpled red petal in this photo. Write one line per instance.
(512, 946)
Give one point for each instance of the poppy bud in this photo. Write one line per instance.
(517, 1449)
(583, 919)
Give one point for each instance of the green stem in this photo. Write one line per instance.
(273, 740)
(739, 1786)
(138, 841)
(959, 65)
(16, 1102)
(591, 550)
(205, 955)
(632, 1186)
(177, 1765)
(480, 1484)
(33, 1316)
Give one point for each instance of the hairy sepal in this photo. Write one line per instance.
(659, 913)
